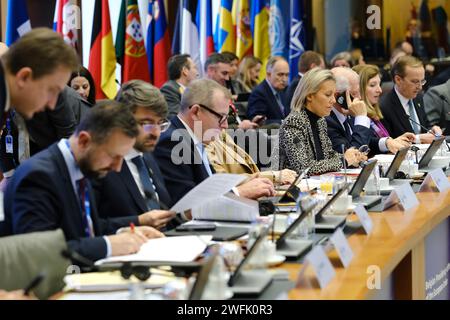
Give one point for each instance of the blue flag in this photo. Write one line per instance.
(17, 20)
(279, 28)
(297, 36)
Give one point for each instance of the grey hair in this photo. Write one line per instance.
(310, 84)
(272, 61)
(202, 91)
(138, 93)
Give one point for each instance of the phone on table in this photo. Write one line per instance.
(196, 227)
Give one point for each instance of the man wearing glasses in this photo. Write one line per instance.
(138, 189)
(181, 152)
(403, 107)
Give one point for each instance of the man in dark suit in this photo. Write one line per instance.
(33, 72)
(181, 70)
(180, 152)
(437, 105)
(51, 190)
(403, 108)
(308, 60)
(269, 97)
(139, 186)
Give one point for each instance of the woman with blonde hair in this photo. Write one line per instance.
(249, 70)
(304, 142)
(370, 87)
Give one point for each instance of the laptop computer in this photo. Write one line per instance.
(250, 282)
(429, 154)
(392, 171)
(329, 223)
(358, 186)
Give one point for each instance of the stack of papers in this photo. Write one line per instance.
(170, 249)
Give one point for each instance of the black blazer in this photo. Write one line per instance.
(189, 170)
(118, 195)
(40, 197)
(360, 135)
(263, 102)
(395, 118)
(172, 94)
(291, 89)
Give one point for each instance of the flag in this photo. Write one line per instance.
(241, 16)
(17, 21)
(227, 31)
(130, 46)
(204, 23)
(176, 38)
(67, 22)
(102, 58)
(260, 31)
(190, 43)
(158, 42)
(279, 24)
(297, 36)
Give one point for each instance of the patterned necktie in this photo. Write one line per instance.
(88, 226)
(413, 118)
(151, 196)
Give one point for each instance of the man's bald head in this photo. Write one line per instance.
(347, 79)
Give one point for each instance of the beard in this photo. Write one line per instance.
(147, 144)
(85, 165)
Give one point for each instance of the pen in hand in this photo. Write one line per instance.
(132, 227)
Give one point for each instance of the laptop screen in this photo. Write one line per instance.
(259, 240)
(396, 163)
(431, 151)
(362, 178)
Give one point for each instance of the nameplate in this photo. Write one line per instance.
(438, 177)
(321, 265)
(364, 218)
(342, 247)
(403, 194)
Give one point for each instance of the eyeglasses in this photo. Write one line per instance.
(222, 117)
(417, 82)
(150, 126)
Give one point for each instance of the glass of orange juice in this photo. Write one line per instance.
(326, 183)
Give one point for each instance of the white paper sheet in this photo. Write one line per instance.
(212, 188)
(228, 208)
(173, 249)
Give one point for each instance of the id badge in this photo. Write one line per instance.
(9, 143)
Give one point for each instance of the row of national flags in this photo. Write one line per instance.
(245, 27)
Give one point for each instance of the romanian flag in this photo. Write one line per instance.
(204, 23)
(130, 46)
(227, 30)
(158, 42)
(241, 16)
(260, 30)
(102, 58)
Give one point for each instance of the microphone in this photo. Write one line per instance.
(429, 131)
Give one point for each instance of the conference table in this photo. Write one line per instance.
(405, 257)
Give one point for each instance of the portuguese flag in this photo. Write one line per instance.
(130, 46)
(102, 59)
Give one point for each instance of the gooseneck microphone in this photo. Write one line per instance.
(429, 131)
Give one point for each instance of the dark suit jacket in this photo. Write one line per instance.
(171, 91)
(118, 195)
(2, 95)
(263, 102)
(360, 135)
(291, 89)
(395, 118)
(40, 197)
(45, 128)
(180, 177)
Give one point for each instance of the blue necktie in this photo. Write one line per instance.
(151, 197)
(88, 226)
(280, 104)
(413, 116)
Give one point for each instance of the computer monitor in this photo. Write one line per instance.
(396, 163)
(431, 151)
(202, 278)
(360, 182)
(258, 242)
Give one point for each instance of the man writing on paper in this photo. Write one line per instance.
(181, 153)
(139, 186)
(51, 189)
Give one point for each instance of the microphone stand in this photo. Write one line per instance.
(429, 131)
